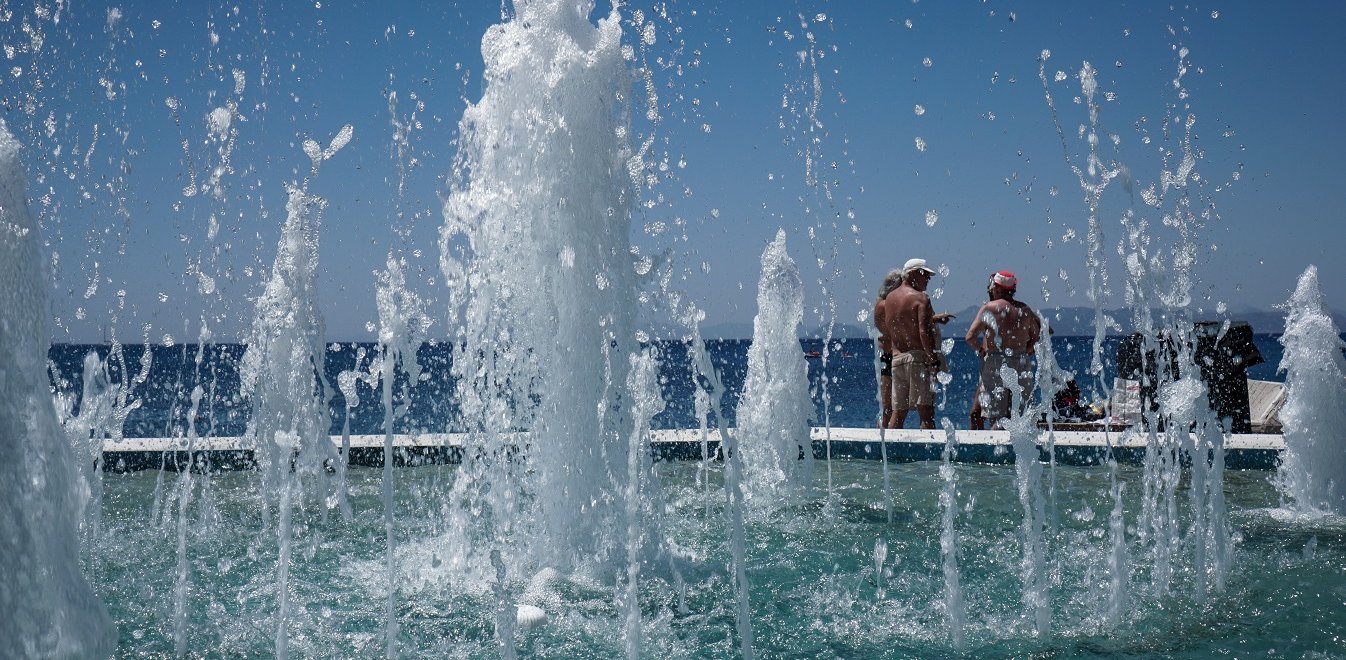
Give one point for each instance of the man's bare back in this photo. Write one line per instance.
(1004, 334)
(1004, 326)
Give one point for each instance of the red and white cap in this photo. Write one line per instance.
(1005, 280)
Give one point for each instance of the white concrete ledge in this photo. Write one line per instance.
(1250, 451)
(1130, 439)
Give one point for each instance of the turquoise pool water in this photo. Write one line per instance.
(812, 569)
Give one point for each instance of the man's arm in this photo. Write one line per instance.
(973, 337)
(925, 313)
(879, 317)
(1034, 330)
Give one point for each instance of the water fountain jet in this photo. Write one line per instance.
(774, 413)
(49, 609)
(1313, 468)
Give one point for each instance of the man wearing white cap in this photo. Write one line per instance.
(907, 320)
(1004, 334)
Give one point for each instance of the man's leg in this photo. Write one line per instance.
(925, 405)
(902, 394)
(999, 408)
(1027, 381)
(899, 418)
(927, 415)
(886, 399)
(996, 401)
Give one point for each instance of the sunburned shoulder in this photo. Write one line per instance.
(998, 306)
(907, 295)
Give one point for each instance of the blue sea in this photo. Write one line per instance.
(847, 380)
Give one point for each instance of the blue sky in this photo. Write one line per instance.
(1263, 84)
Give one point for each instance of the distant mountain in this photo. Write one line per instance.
(1079, 321)
(744, 331)
(839, 331)
(1272, 322)
(1065, 322)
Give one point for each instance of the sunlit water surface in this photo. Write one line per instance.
(811, 567)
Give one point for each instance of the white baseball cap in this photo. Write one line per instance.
(914, 265)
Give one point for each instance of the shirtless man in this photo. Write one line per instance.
(1004, 334)
(892, 281)
(907, 320)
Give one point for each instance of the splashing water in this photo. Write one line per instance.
(85, 431)
(642, 383)
(559, 399)
(281, 375)
(403, 324)
(535, 250)
(49, 609)
(948, 540)
(1028, 478)
(733, 461)
(773, 415)
(1313, 468)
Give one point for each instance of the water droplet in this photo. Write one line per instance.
(931, 217)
